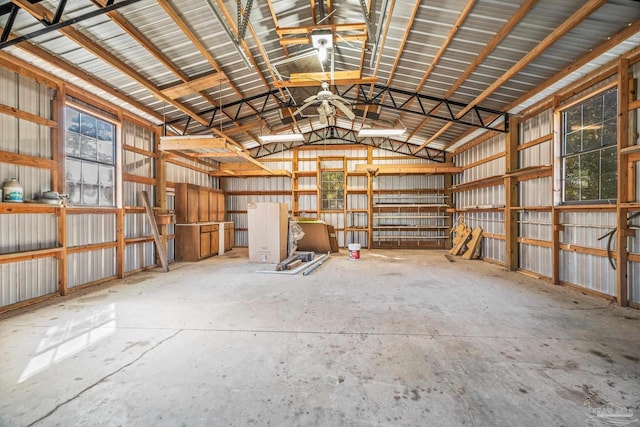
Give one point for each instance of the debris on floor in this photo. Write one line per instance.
(305, 262)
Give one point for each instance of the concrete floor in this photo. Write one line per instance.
(396, 338)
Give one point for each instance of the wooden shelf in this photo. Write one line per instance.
(411, 216)
(28, 208)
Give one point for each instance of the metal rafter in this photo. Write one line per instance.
(338, 136)
(52, 21)
(397, 100)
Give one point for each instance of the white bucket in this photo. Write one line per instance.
(354, 251)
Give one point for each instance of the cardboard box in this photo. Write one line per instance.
(318, 238)
(268, 229)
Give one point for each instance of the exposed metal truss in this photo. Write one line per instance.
(334, 135)
(53, 24)
(426, 105)
(234, 110)
(396, 99)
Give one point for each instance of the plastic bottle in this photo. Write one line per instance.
(13, 191)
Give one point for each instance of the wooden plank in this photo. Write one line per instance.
(195, 85)
(361, 26)
(457, 248)
(26, 160)
(154, 230)
(483, 161)
(535, 242)
(574, 20)
(120, 245)
(29, 255)
(191, 142)
(92, 247)
(418, 168)
(535, 142)
(473, 247)
(24, 115)
(311, 79)
(624, 195)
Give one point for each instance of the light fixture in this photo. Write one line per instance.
(380, 132)
(285, 137)
(322, 40)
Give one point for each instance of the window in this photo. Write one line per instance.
(589, 159)
(90, 159)
(332, 190)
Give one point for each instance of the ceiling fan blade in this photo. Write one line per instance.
(344, 109)
(299, 110)
(311, 98)
(335, 97)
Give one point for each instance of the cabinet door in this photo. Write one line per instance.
(229, 238)
(192, 205)
(205, 244)
(215, 242)
(213, 206)
(203, 205)
(221, 210)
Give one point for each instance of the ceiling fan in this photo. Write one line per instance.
(328, 101)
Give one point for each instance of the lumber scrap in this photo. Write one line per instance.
(473, 247)
(154, 230)
(457, 248)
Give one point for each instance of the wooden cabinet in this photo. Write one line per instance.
(229, 236)
(213, 206)
(196, 241)
(195, 203)
(221, 207)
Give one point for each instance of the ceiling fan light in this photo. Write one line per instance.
(285, 137)
(368, 132)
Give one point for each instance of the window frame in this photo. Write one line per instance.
(582, 153)
(103, 169)
(340, 205)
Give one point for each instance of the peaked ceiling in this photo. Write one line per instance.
(439, 68)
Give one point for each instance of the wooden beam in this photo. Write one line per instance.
(24, 115)
(311, 79)
(193, 86)
(28, 255)
(26, 160)
(191, 142)
(251, 172)
(580, 15)
(88, 44)
(309, 28)
(348, 38)
(417, 168)
(575, 65)
(622, 253)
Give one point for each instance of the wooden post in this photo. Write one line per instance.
(58, 184)
(294, 184)
(369, 199)
(161, 190)
(511, 196)
(556, 196)
(555, 245)
(448, 183)
(120, 243)
(622, 254)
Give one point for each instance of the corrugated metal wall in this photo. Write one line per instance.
(536, 192)
(20, 281)
(494, 196)
(237, 204)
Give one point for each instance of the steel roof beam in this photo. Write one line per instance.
(59, 25)
(348, 137)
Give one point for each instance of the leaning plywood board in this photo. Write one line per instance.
(457, 249)
(474, 244)
(458, 231)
